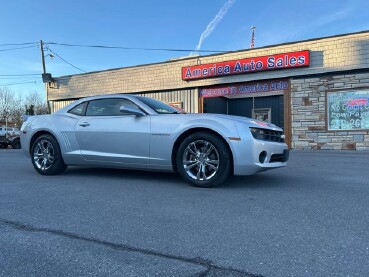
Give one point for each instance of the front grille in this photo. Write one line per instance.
(267, 134)
(275, 158)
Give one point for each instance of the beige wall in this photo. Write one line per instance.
(327, 54)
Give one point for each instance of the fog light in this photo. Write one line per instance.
(263, 157)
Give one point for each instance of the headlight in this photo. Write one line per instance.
(267, 134)
(257, 133)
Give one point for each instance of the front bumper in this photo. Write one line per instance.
(253, 156)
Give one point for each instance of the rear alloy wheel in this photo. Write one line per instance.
(46, 156)
(203, 160)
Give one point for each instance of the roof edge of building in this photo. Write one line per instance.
(217, 54)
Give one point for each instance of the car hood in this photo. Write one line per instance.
(240, 119)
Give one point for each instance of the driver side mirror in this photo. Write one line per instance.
(131, 110)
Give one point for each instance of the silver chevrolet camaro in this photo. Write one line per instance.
(135, 132)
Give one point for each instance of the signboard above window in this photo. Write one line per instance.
(245, 89)
(247, 65)
(348, 110)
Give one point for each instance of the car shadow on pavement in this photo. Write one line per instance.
(260, 180)
(255, 181)
(128, 174)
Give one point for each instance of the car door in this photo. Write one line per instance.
(107, 135)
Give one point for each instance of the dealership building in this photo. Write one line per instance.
(317, 90)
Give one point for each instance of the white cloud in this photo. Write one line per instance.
(214, 23)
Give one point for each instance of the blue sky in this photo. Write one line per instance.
(170, 24)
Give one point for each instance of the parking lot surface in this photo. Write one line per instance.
(308, 219)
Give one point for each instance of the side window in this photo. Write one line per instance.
(107, 107)
(79, 109)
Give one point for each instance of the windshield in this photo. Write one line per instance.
(158, 106)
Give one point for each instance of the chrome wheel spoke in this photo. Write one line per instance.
(190, 164)
(50, 159)
(43, 164)
(192, 151)
(40, 146)
(38, 160)
(49, 148)
(213, 167)
(193, 144)
(201, 175)
(200, 160)
(209, 148)
(213, 162)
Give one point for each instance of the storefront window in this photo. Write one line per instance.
(348, 110)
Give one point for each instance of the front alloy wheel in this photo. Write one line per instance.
(203, 159)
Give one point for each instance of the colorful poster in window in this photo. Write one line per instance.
(348, 110)
(178, 106)
(262, 114)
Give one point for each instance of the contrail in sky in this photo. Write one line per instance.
(213, 24)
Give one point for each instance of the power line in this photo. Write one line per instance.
(16, 48)
(17, 82)
(36, 74)
(20, 83)
(133, 48)
(34, 44)
(65, 60)
(16, 44)
(18, 77)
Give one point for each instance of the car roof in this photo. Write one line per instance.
(115, 95)
(131, 97)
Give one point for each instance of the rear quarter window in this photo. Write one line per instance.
(79, 109)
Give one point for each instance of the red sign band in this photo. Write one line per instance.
(249, 65)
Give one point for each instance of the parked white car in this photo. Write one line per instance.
(10, 131)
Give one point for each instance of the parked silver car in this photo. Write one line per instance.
(135, 132)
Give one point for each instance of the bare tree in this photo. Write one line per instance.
(7, 102)
(38, 102)
(18, 110)
(13, 105)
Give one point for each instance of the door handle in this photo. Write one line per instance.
(84, 124)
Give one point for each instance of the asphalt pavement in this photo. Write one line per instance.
(308, 219)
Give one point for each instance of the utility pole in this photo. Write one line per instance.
(46, 77)
(252, 43)
(6, 115)
(43, 56)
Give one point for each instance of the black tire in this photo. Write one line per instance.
(46, 156)
(16, 144)
(204, 160)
